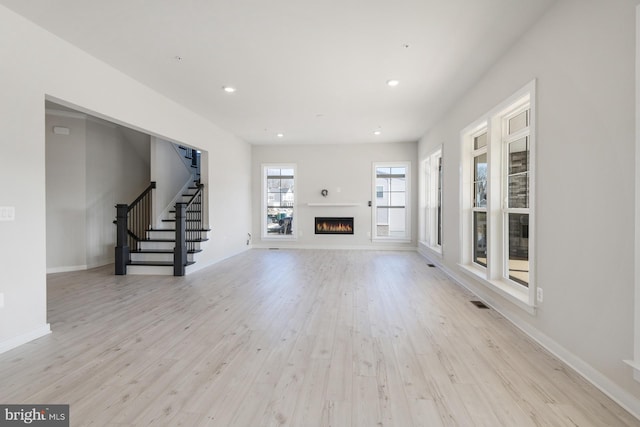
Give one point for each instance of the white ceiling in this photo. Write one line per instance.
(315, 71)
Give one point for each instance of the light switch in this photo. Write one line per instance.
(7, 213)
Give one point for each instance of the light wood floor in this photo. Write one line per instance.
(295, 338)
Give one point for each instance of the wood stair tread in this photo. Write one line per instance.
(156, 263)
(161, 251)
(172, 240)
(173, 230)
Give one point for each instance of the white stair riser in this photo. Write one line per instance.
(163, 245)
(156, 234)
(170, 215)
(157, 245)
(156, 257)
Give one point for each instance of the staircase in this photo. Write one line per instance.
(155, 254)
(191, 159)
(172, 248)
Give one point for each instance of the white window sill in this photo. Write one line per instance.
(334, 204)
(512, 293)
(276, 238)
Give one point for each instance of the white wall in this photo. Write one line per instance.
(66, 171)
(117, 172)
(582, 55)
(43, 65)
(345, 170)
(170, 174)
(89, 171)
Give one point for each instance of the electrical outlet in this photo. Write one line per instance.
(1, 300)
(539, 294)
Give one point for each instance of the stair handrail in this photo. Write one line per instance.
(138, 216)
(187, 238)
(196, 194)
(151, 186)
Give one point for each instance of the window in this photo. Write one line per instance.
(390, 210)
(497, 197)
(479, 207)
(432, 205)
(516, 139)
(279, 201)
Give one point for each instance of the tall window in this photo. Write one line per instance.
(433, 201)
(480, 181)
(497, 196)
(279, 201)
(516, 136)
(391, 201)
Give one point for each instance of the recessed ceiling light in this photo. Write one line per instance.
(229, 89)
(393, 83)
(377, 132)
(280, 135)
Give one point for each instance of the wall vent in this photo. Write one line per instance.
(479, 304)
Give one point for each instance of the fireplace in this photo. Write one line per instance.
(333, 225)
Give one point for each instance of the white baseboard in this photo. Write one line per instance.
(14, 342)
(100, 263)
(65, 269)
(391, 247)
(622, 397)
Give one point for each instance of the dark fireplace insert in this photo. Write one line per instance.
(333, 225)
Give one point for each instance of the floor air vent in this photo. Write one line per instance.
(479, 304)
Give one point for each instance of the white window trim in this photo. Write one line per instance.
(423, 170)
(263, 212)
(374, 236)
(429, 201)
(494, 275)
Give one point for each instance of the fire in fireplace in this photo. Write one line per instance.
(333, 225)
